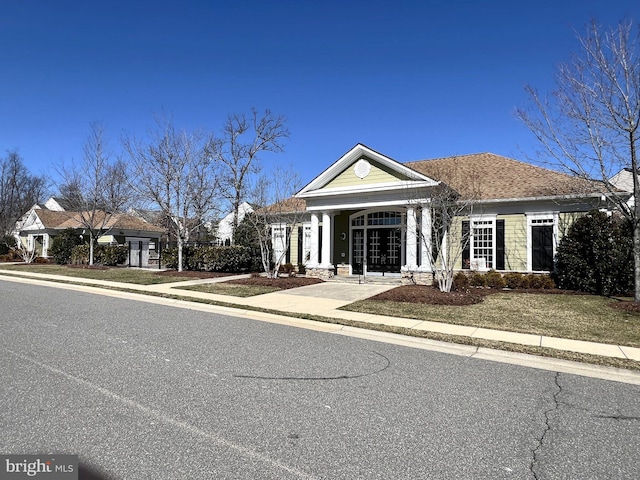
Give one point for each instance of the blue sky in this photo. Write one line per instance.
(410, 79)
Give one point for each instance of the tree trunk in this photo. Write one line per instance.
(636, 261)
(90, 250)
(180, 242)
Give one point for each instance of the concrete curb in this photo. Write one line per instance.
(327, 307)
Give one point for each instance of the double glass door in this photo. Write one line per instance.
(383, 250)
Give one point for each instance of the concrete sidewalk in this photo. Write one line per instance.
(326, 298)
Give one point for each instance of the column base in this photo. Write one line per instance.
(324, 273)
(417, 277)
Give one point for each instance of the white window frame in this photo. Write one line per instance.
(476, 263)
(278, 239)
(306, 242)
(540, 218)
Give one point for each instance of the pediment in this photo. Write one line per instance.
(362, 169)
(32, 222)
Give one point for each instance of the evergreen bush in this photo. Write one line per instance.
(63, 244)
(460, 282)
(494, 279)
(596, 255)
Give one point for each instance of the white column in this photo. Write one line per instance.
(412, 245)
(326, 240)
(313, 247)
(425, 240)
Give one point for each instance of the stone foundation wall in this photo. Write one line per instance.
(417, 278)
(323, 273)
(343, 270)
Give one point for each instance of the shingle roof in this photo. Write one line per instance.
(62, 220)
(486, 176)
(288, 205)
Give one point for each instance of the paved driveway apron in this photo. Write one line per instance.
(323, 297)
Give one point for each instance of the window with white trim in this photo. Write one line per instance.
(278, 241)
(542, 232)
(482, 244)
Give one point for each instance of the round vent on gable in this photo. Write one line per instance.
(362, 168)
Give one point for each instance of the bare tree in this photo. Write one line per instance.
(589, 126)
(19, 191)
(275, 220)
(96, 188)
(238, 149)
(444, 240)
(26, 253)
(173, 171)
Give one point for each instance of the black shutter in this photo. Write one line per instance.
(300, 248)
(319, 259)
(287, 244)
(499, 244)
(542, 246)
(466, 245)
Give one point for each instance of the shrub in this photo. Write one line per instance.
(233, 258)
(514, 280)
(170, 257)
(494, 279)
(6, 244)
(63, 244)
(112, 255)
(209, 258)
(596, 255)
(12, 256)
(548, 282)
(460, 282)
(41, 260)
(286, 268)
(477, 279)
(535, 281)
(79, 255)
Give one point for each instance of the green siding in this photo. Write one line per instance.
(515, 241)
(293, 245)
(378, 174)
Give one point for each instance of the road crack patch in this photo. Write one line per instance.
(547, 426)
(338, 377)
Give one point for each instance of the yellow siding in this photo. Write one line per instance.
(455, 242)
(565, 220)
(378, 174)
(294, 246)
(515, 241)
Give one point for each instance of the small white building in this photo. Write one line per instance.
(224, 234)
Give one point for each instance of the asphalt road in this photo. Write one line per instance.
(143, 391)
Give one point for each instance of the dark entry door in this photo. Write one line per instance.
(542, 245)
(383, 250)
(357, 252)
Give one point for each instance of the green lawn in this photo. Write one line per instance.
(125, 275)
(581, 317)
(232, 289)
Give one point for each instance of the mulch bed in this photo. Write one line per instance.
(192, 274)
(631, 307)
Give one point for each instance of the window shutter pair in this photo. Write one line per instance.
(466, 246)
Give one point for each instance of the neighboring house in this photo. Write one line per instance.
(40, 225)
(224, 231)
(57, 204)
(623, 180)
(367, 213)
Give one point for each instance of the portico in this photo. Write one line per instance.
(369, 215)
